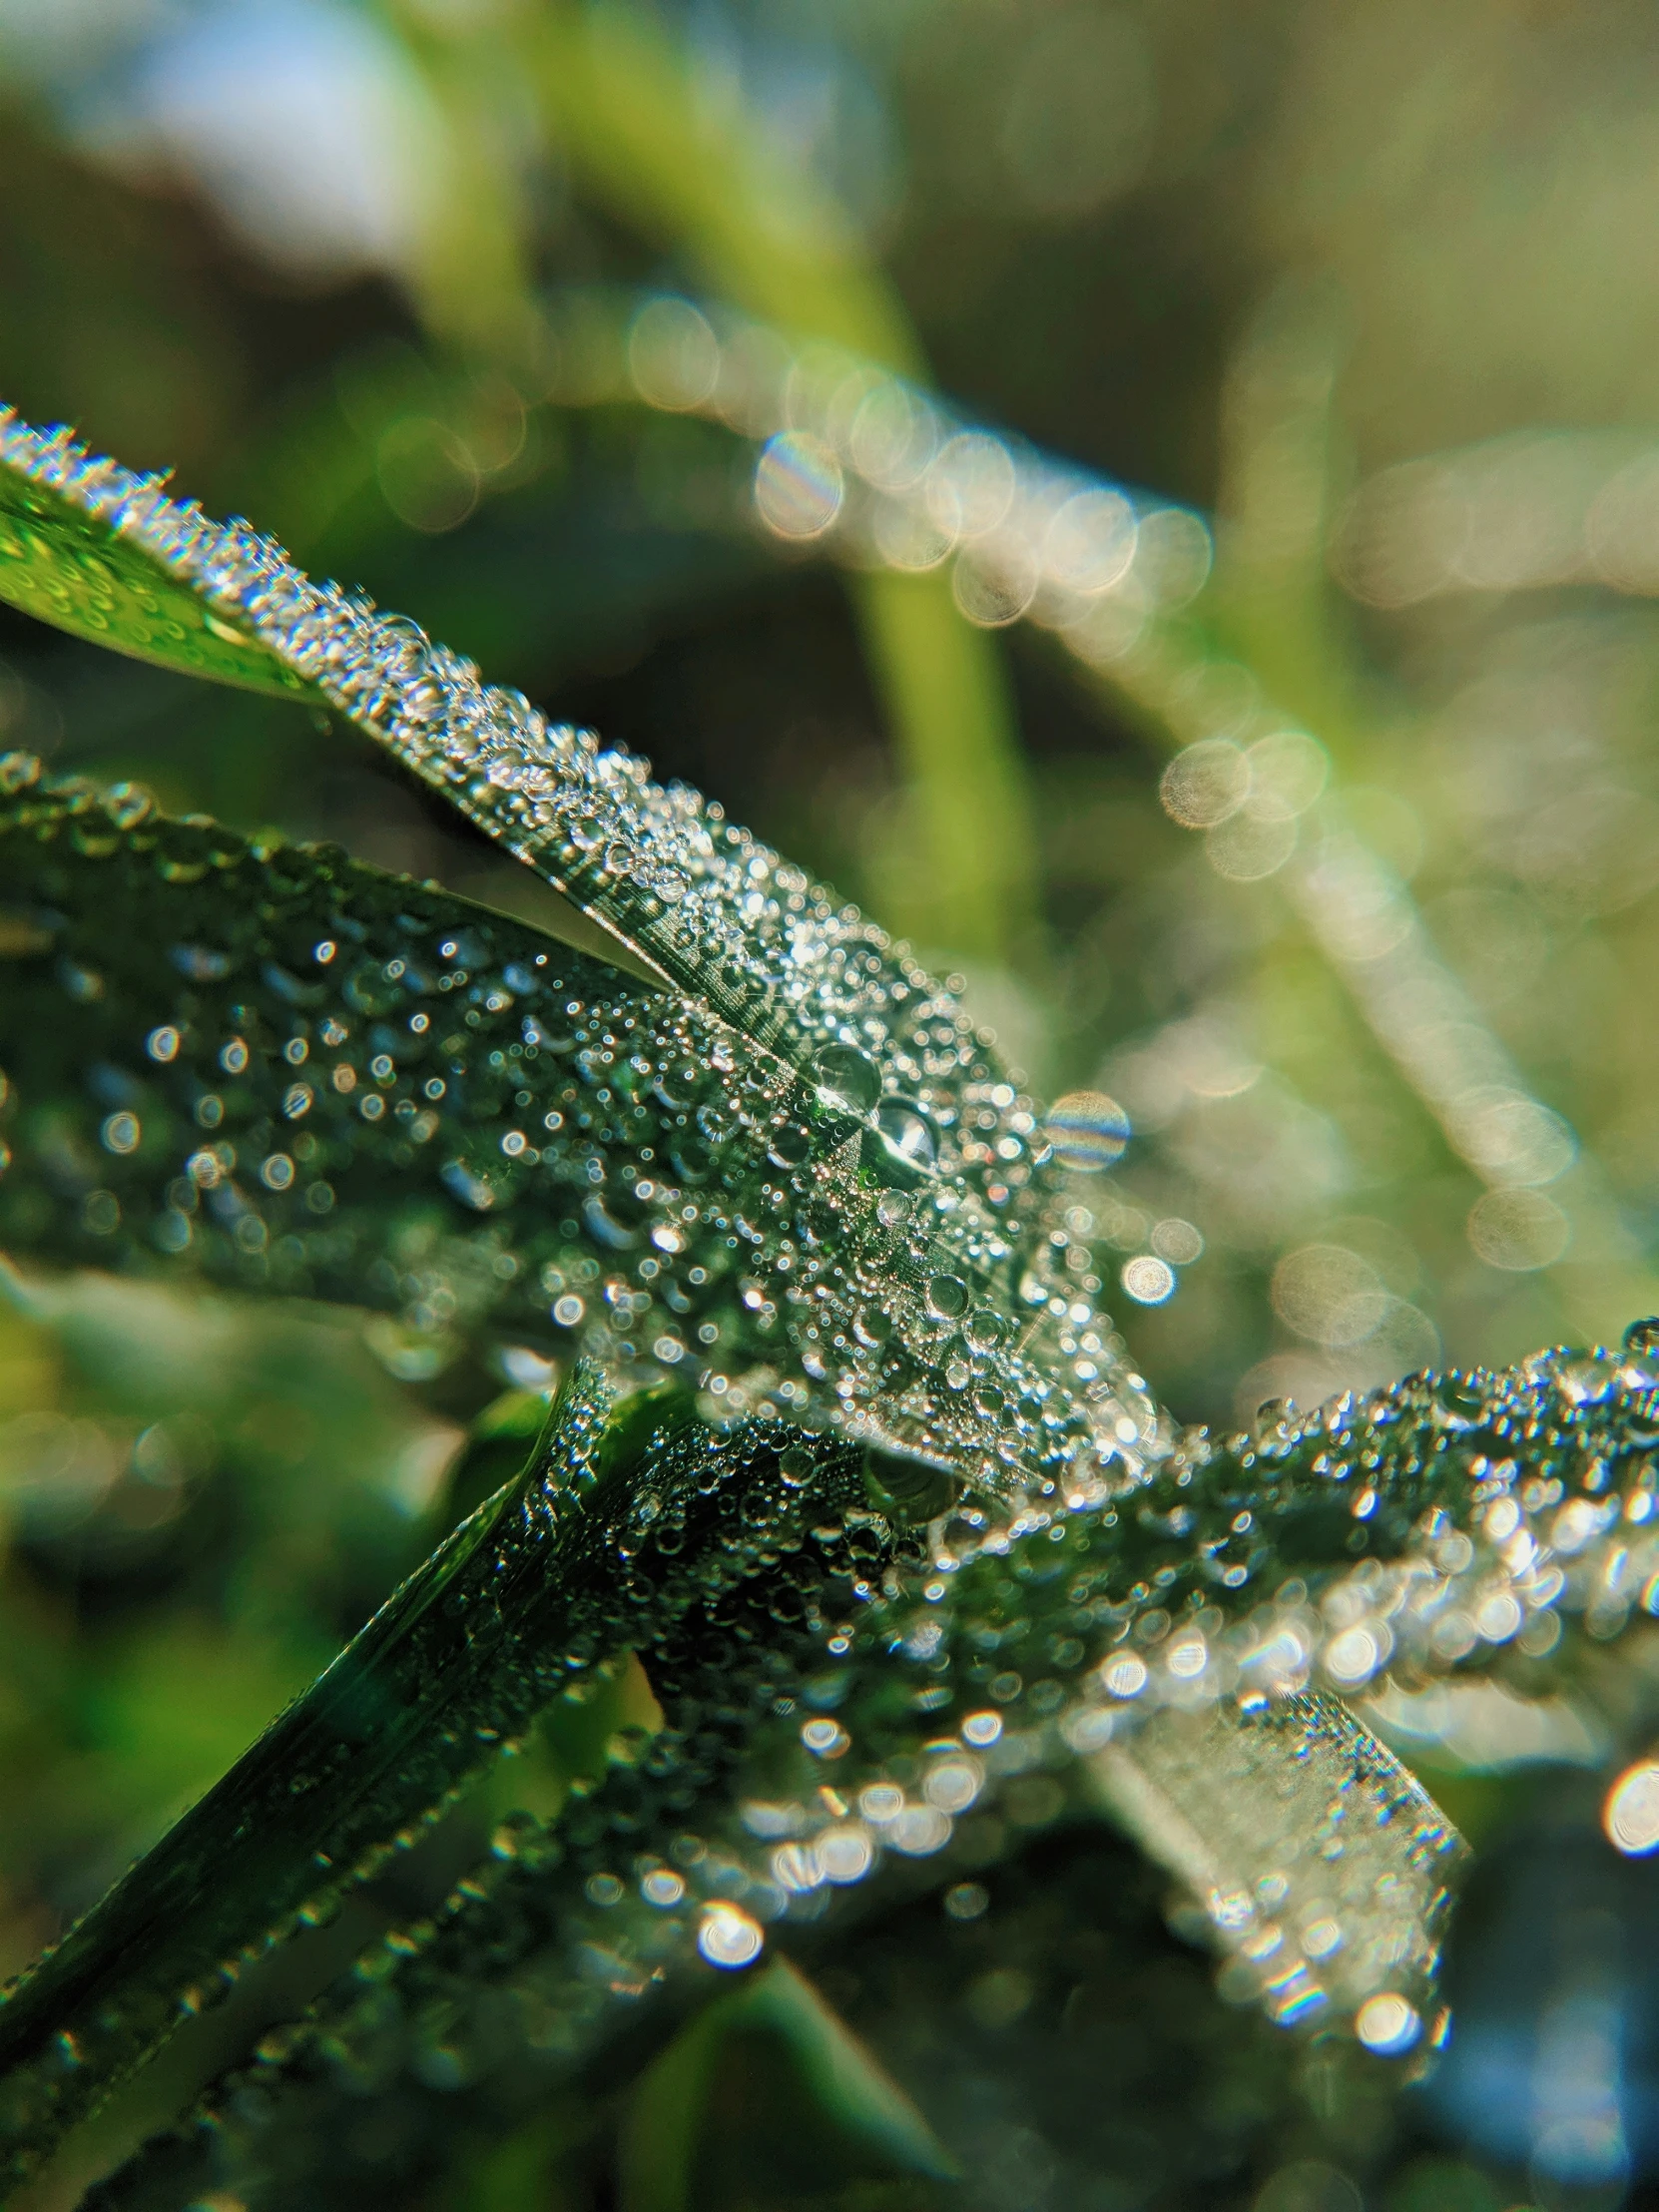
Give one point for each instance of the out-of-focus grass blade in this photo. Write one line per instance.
(770, 2081)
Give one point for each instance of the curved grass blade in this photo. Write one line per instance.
(826, 1755)
(531, 1595)
(297, 1074)
(76, 562)
(622, 102)
(807, 983)
(710, 908)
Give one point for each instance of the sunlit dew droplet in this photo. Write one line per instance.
(920, 1830)
(162, 1044)
(1630, 1814)
(794, 1467)
(985, 1329)
(947, 1297)
(1387, 2023)
(905, 1133)
(1147, 1279)
(729, 1937)
(121, 1133)
(970, 486)
(1287, 773)
(798, 487)
(1247, 848)
(1088, 1131)
(906, 539)
(882, 1801)
(845, 1853)
(847, 1078)
(1518, 1230)
(1176, 1241)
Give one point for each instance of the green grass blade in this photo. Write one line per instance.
(532, 1593)
(73, 561)
(301, 1075)
(769, 2080)
(993, 1688)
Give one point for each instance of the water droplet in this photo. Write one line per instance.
(985, 1329)
(795, 1466)
(798, 485)
(947, 1297)
(1147, 1279)
(846, 1079)
(907, 1139)
(1630, 1814)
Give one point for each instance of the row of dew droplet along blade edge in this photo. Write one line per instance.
(945, 1148)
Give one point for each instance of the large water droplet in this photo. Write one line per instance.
(847, 1078)
(906, 1139)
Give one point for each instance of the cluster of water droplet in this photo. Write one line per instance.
(804, 1185)
(876, 1712)
(883, 1053)
(299, 1073)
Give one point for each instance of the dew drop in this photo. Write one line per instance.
(846, 1079)
(985, 1328)
(906, 1139)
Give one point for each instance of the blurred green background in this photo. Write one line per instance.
(1374, 289)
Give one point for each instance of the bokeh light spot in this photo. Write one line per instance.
(1631, 1814)
(799, 486)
